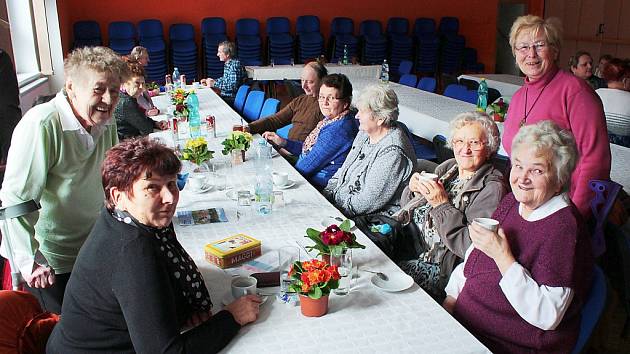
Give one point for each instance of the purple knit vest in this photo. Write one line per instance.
(556, 251)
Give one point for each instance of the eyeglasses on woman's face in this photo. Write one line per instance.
(328, 98)
(475, 145)
(524, 48)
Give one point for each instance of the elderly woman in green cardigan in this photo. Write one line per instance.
(55, 158)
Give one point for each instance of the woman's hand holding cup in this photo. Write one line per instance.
(487, 237)
(274, 138)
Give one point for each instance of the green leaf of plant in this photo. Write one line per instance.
(316, 293)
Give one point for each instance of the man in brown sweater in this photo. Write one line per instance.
(303, 111)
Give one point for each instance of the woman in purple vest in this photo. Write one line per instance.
(521, 288)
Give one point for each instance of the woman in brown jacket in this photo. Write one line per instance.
(467, 187)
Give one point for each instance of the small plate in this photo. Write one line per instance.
(228, 299)
(289, 184)
(327, 221)
(397, 282)
(203, 189)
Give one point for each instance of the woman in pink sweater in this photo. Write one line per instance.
(553, 94)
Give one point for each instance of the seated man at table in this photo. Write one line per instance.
(131, 119)
(303, 112)
(233, 72)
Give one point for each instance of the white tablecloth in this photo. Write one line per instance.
(367, 320)
(281, 72)
(506, 84)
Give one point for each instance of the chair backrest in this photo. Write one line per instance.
(284, 131)
(408, 80)
(442, 152)
(398, 26)
(601, 204)
(121, 30)
(449, 25)
(307, 23)
(86, 30)
(213, 25)
(341, 25)
(592, 309)
(427, 84)
(370, 28)
(455, 91)
(239, 99)
(150, 28)
(270, 107)
(423, 26)
(277, 25)
(470, 96)
(247, 27)
(470, 84)
(181, 32)
(253, 105)
(405, 67)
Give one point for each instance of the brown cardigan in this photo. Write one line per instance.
(303, 112)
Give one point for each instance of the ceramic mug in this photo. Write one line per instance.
(487, 223)
(428, 176)
(196, 181)
(280, 178)
(243, 285)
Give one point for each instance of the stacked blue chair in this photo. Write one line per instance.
(270, 107)
(122, 37)
(427, 45)
(253, 105)
(213, 32)
(248, 42)
(310, 42)
(86, 34)
(405, 67)
(241, 96)
(455, 91)
(184, 49)
(408, 80)
(469, 61)
(151, 35)
(342, 35)
(427, 84)
(373, 42)
(279, 40)
(452, 45)
(400, 44)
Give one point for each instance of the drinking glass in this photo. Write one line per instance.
(278, 199)
(243, 204)
(343, 261)
(287, 255)
(220, 171)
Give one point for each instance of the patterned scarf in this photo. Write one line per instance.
(311, 139)
(181, 268)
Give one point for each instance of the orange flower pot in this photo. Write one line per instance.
(313, 307)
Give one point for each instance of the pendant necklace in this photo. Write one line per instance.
(527, 112)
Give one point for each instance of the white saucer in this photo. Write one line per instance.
(203, 189)
(228, 299)
(396, 282)
(289, 184)
(327, 221)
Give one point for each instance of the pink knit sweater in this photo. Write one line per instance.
(572, 104)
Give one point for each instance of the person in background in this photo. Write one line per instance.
(581, 65)
(521, 287)
(380, 162)
(130, 118)
(603, 60)
(233, 72)
(616, 101)
(134, 287)
(140, 55)
(55, 160)
(557, 95)
(10, 112)
(325, 149)
(303, 111)
(468, 187)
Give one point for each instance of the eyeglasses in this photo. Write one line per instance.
(475, 145)
(524, 48)
(328, 98)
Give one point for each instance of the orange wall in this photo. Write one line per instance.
(477, 17)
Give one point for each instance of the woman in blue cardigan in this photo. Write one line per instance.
(325, 149)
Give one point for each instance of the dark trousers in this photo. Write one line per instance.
(51, 298)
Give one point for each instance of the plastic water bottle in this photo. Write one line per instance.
(385, 72)
(264, 182)
(176, 77)
(345, 54)
(194, 120)
(482, 96)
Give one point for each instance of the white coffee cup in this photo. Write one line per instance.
(488, 223)
(196, 181)
(427, 176)
(243, 285)
(280, 178)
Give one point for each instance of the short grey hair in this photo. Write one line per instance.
(489, 127)
(99, 59)
(382, 101)
(138, 52)
(546, 137)
(229, 48)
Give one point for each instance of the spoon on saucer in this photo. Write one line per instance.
(383, 276)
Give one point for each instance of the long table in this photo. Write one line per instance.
(368, 320)
(506, 84)
(293, 72)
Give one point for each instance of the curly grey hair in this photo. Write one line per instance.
(489, 127)
(229, 48)
(547, 138)
(381, 101)
(99, 59)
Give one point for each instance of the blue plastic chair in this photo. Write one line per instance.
(405, 67)
(342, 35)
(449, 25)
(86, 33)
(372, 41)
(310, 41)
(269, 107)
(423, 26)
(241, 96)
(248, 41)
(122, 37)
(592, 309)
(213, 32)
(422, 151)
(427, 84)
(455, 91)
(284, 131)
(253, 105)
(279, 40)
(408, 80)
